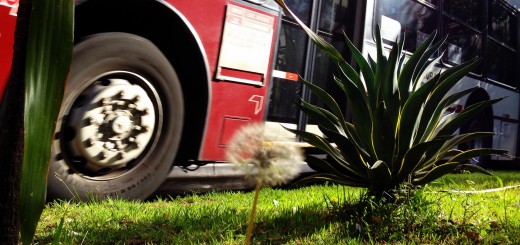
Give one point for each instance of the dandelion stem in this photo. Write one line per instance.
(253, 211)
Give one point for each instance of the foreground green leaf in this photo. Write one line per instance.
(49, 53)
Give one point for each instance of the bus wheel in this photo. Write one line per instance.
(120, 121)
(481, 123)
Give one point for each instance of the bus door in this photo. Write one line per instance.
(298, 57)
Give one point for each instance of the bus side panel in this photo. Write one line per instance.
(232, 104)
(7, 27)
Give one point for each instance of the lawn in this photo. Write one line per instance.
(317, 214)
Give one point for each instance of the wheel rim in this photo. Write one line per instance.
(110, 125)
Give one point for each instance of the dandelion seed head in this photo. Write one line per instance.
(253, 147)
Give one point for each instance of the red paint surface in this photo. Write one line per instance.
(228, 99)
(7, 27)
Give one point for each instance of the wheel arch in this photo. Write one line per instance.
(484, 121)
(477, 96)
(181, 45)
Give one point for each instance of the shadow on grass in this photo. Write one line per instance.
(210, 226)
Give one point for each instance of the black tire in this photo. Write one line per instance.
(120, 122)
(480, 123)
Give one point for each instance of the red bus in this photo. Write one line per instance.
(156, 84)
(153, 84)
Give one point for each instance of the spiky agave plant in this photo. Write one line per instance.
(399, 133)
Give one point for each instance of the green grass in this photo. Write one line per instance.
(319, 214)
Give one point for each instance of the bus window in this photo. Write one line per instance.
(502, 43)
(500, 60)
(418, 20)
(302, 9)
(463, 43)
(291, 57)
(502, 24)
(333, 16)
(330, 19)
(468, 11)
(332, 24)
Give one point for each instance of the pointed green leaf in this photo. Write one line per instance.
(469, 154)
(388, 87)
(468, 113)
(410, 67)
(324, 166)
(426, 62)
(383, 137)
(349, 75)
(373, 63)
(436, 173)
(427, 67)
(320, 177)
(348, 150)
(474, 169)
(463, 138)
(314, 113)
(49, 52)
(433, 112)
(448, 79)
(416, 155)
(325, 146)
(364, 66)
(410, 116)
(328, 100)
(361, 114)
(381, 58)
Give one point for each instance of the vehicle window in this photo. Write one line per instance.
(301, 8)
(469, 11)
(500, 65)
(291, 57)
(417, 20)
(325, 69)
(503, 24)
(335, 20)
(334, 15)
(463, 43)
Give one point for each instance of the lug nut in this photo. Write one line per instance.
(106, 155)
(109, 145)
(121, 155)
(96, 120)
(101, 156)
(120, 145)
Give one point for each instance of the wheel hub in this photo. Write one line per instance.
(112, 126)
